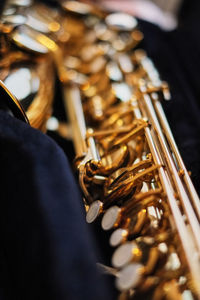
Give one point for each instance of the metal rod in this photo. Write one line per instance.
(170, 139)
(73, 105)
(179, 186)
(185, 238)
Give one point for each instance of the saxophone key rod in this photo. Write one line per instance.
(186, 177)
(192, 219)
(182, 229)
(155, 80)
(73, 105)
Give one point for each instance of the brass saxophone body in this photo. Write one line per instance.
(130, 171)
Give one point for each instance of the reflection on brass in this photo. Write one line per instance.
(11, 104)
(30, 75)
(129, 168)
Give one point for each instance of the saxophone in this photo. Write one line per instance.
(129, 168)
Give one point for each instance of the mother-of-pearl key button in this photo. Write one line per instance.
(77, 7)
(8, 11)
(94, 211)
(25, 3)
(121, 21)
(25, 39)
(118, 237)
(110, 217)
(129, 276)
(124, 254)
(14, 19)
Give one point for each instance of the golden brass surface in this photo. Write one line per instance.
(131, 173)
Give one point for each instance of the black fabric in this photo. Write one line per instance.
(46, 250)
(189, 15)
(2, 3)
